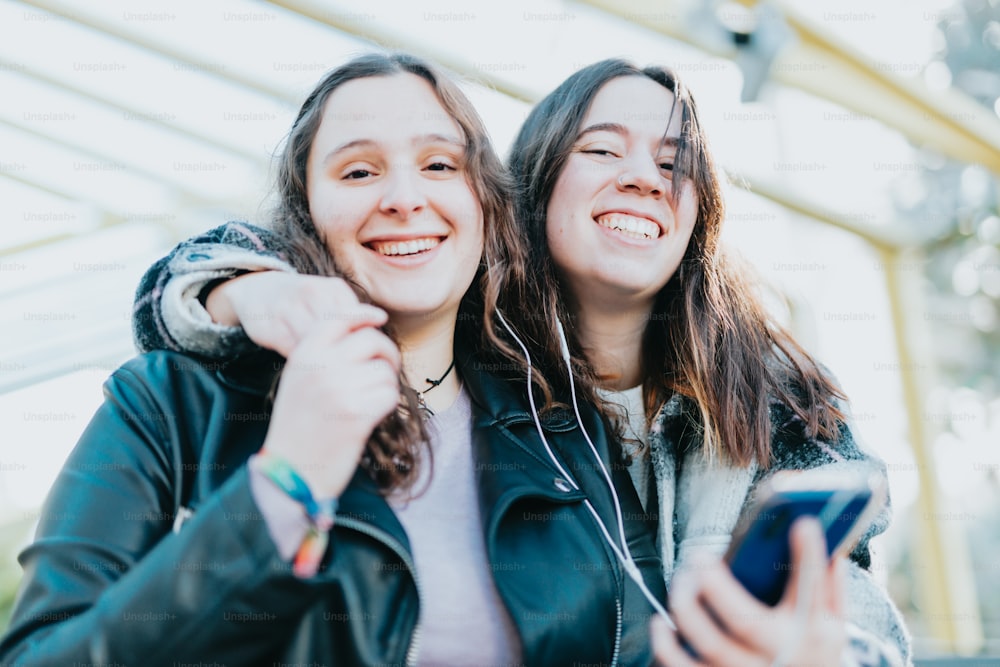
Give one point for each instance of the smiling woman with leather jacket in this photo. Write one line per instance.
(206, 518)
(108, 581)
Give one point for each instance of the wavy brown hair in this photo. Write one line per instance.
(396, 446)
(709, 337)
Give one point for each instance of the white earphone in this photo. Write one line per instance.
(622, 552)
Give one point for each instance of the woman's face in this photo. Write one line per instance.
(387, 187)
(614, 228)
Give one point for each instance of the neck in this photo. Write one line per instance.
(612, 337)
(428, 348)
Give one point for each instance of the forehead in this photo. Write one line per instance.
(383, 108)
(636, 102)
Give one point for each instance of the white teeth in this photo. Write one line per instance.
(630, 226)
(405, 247)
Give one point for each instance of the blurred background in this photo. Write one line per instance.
(861, 139)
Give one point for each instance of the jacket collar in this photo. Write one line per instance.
(510, 458)
(502, 398)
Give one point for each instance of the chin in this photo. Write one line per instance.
(425, 309)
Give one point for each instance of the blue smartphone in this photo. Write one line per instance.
(760, 554)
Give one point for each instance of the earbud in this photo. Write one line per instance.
(563, 345)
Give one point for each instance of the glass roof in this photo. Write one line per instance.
(125, 127)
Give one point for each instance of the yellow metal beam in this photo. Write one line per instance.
(947, 121)
(947, 593)
(789, 199)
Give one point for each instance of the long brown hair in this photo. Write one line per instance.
(397, 444)
(709, 337)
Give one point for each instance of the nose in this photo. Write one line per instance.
(641, 175)
(403, 196)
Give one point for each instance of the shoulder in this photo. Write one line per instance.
(166, 376)
(162, 367)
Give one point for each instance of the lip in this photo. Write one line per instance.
(635, 214)
(405, 261)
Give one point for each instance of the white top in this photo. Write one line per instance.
(632, 422)
(463, 621)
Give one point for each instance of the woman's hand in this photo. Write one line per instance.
(726, 625)
(277, 309)
(339, 382)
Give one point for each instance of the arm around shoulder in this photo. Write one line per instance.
(168, 312)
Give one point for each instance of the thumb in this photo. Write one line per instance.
(659, 633)
(809, 561)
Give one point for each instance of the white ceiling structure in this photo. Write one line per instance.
(125, 127)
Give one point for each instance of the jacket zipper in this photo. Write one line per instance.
(618, 633)
(619, 594)
(399, 550)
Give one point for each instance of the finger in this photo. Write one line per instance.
(372, 344)
(666, 647)
(361, 345)
(371, 404)
(809, 563)
(346, 362)
(304, 320)
(365, 315)
(734, 608)
(280, 334)
(703, 628)
(836, 586)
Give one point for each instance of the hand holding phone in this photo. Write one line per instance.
(760, 555)
(845, 504)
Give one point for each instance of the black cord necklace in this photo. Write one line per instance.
(433, 384)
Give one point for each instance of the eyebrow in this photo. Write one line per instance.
(618, 128)
(420, 140)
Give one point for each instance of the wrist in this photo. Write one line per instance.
(320, 511)
(215, 297)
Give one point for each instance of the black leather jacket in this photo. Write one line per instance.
(115, 578)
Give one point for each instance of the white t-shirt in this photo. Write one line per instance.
(463, 620)
(632, 422)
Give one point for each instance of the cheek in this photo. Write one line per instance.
(469, 219)
(686, 210)
(560, 244)
(322, 210)
(333, 213)
(478, 244)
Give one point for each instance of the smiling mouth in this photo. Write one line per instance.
(405, 248)
(629, 225)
